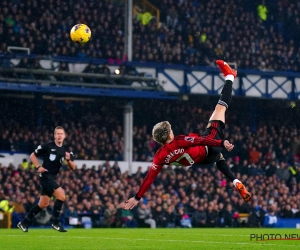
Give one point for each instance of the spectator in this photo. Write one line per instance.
(228, 217)
(172, 17)
(18, 206)
(271, 169)
(212, 217)
(25, 164)
(183, 219)
(92, 69)
(105, 69)
(31, 202)
(109, 216)
(199, 217)
(7, 205)
(170, 217)
(70, 215)
(295, 208)
(262, 11)
(127, 217)
(287, 212)
(283, 172)
(160, 217)
(144, 215)
(97, 211)
(270, 219)
(254, 155)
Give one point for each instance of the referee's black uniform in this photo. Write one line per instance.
(53, 157)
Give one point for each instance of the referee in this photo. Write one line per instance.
(53, 154)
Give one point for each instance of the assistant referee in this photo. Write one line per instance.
(53, 154)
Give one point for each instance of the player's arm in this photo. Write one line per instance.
(70, 159)
(39, 151)
(190, 141)
(147, 182)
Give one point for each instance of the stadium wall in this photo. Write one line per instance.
(17, 158)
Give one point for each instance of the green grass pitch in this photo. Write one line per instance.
(143, 239)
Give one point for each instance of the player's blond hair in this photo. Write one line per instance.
(161, 132)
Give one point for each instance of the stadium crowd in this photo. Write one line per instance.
(190, 33)
(197, 197)
(265, 158)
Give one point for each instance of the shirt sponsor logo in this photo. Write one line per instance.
(52, 157)
(53, 149)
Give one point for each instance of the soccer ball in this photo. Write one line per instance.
(80, 33)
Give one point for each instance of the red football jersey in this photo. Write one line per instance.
(182, 151)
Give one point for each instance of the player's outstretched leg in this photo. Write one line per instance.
(229, 74)
(219, 114)
(224, 168)
(226, 94)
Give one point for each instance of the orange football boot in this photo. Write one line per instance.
(243, 191)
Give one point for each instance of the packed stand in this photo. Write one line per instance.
(93, 132)
(95, 128)
(265, 159)
(197, 33)
(44, 26)
(190, 34)
(197, 197)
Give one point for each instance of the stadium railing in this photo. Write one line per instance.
(169, 78)
(118, 81)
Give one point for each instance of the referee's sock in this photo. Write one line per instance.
(224, 168)
(56, 211)
(32, 213)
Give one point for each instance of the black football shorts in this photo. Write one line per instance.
(48, 183)
(215, 129)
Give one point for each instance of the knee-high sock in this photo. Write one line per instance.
(32, 213)
(224, 168)
(56, 210)
(226, 94)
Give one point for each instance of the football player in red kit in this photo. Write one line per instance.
(188, 150)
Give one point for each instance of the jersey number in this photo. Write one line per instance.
(184, 156)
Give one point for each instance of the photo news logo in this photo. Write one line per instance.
(264, 237)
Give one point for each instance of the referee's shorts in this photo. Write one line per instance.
(48, 184)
